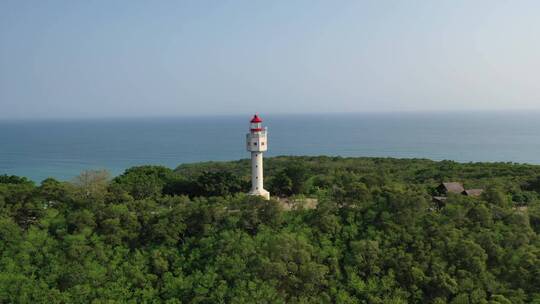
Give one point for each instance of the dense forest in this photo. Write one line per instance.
(191, 235)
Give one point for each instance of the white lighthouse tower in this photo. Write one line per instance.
(256, 143)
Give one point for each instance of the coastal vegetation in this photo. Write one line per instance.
(191, 235)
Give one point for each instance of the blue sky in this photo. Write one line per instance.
(174, 58)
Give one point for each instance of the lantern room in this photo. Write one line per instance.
(256, 124)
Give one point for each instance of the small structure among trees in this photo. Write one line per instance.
(450, 187)
(456, 188)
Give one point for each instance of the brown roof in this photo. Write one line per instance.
(453, 187)
(473, 192)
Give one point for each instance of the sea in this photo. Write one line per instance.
(63, 148)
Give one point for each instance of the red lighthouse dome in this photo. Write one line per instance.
(256, 119)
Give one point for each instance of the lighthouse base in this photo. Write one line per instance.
(260, 192)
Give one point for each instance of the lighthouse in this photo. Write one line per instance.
(257, 143)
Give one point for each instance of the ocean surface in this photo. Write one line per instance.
(63, 148)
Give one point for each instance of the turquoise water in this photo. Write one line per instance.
(64, 148)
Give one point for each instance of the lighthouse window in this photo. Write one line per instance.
(254, 143)
(262, 144)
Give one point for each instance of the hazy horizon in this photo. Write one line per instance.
(62, 60)
(247, 116)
